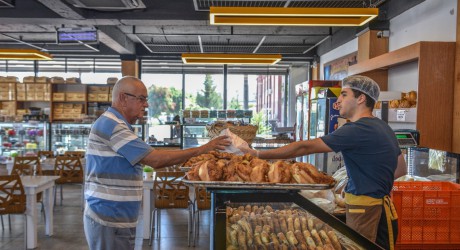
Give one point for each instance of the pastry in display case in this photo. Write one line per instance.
(280, 226)
(23, 138)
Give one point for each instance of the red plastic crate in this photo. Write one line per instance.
(429, 212)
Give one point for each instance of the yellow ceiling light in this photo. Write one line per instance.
(292, 16)
(24, 54)
(230, 59)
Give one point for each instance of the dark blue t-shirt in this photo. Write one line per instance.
(370, 151)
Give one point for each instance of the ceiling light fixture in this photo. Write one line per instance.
(24, 54)
(291, 16)
(230, 59)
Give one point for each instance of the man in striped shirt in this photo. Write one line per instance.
(113, 188)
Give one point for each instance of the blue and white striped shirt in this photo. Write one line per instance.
(113, 188)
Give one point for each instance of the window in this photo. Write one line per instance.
(164, 96)
(204, 91)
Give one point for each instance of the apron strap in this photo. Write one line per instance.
(391, 215)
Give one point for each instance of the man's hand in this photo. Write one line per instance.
(218, 143)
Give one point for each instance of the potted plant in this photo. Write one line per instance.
(148, 172)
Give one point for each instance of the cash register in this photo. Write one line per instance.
(406, 138)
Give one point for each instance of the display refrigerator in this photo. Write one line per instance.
(304, 93)
(325, 119)
(74, 136)
(23, 138)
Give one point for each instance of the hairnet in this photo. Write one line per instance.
(363, 84)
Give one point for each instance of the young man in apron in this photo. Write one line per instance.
(372, 159)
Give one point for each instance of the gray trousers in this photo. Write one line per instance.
(101, 237)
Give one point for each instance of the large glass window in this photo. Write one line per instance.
(204, 91)
(89, 70)
(164, 96)
(19, 69)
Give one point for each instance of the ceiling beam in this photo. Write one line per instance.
(116, 40)
(62, 9)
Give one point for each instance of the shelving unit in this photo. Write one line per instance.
(65, 100)
(435, 86)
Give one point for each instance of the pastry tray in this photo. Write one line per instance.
(254, 185)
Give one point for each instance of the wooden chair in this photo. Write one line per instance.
(202, 203)
(80, 154)
(28, 165)
(70, 171)
(32, 161)
(47, 154)
(170, 192)
(22, 169)
(13, 199)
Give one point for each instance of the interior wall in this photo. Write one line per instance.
(338, 52)
(432, 20)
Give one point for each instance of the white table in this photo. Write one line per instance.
(32, 186)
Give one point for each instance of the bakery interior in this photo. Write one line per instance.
(271, 82)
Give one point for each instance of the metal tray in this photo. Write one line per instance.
(255, 185)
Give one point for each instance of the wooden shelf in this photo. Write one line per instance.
(404, 55)
(436, 62)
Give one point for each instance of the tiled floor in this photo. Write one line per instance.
(69, 235)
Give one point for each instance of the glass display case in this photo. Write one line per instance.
(253, 215)
(74, 136)
(69, 137)
(432, 164)
(23, 138)
(194, 135)
(168, 135)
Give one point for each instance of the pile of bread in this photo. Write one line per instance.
(408, 100)
(262, 227)
(217, 166)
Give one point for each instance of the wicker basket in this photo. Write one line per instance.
(247, 132)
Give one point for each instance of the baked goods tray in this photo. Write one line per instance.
(254, 185)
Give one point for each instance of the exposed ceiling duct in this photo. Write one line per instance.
(108, 5)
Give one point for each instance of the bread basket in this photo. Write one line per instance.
(245, 132)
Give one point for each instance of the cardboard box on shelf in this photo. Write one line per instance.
(39, 96)
(6, 87)
(78, 106)
(58, 111)
(30, 96)
(57, 80)
(92, 97)
(21, 111)
(21, 96)
(28, 79)
(9, 79)
(41, 79)
(8, 105)
(21, 87)
(67, 106)
(40, 87)
(58, 116)
(58, 96)
(98, 89)
(47, 96)
(102, 97)
(30, 87)
(75, 97)
(58, 105)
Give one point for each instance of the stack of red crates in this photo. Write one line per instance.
(429, 215)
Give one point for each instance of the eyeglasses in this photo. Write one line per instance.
(141, 98)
